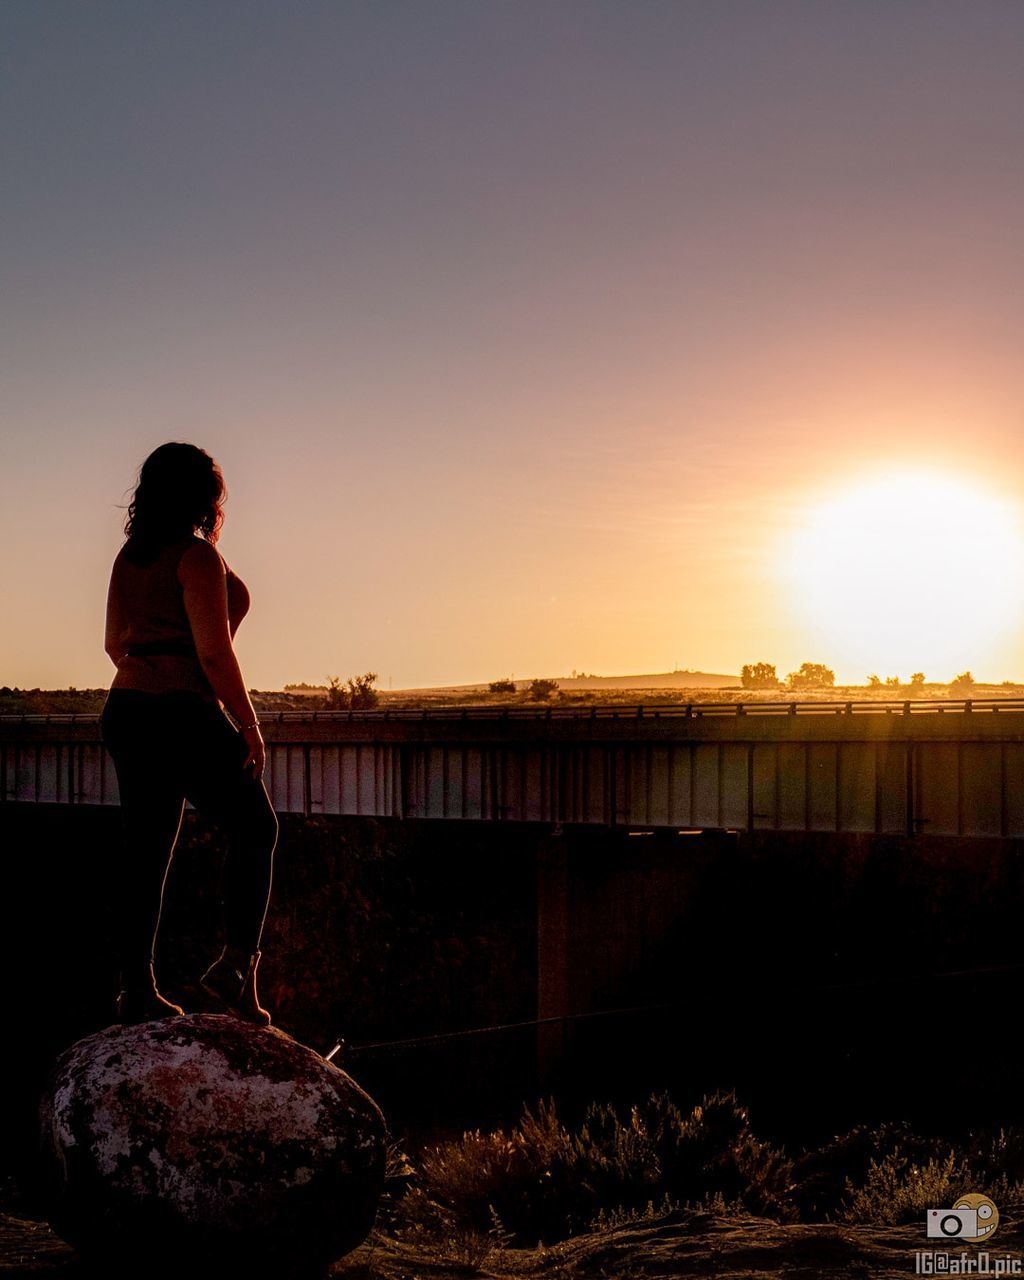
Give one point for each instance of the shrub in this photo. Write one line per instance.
(713, 1151)
(964, 682)
(759, 675)
(359, 695)
(518, 1176)
(505, 685)
(824, 1175)
(542, 1182)
(812, 675)
(899, 1190)
(541, 690)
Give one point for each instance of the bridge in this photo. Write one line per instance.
(899, 767)
(585, 775)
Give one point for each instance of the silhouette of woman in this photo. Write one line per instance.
(173, 607)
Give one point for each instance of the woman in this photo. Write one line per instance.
(172, 611)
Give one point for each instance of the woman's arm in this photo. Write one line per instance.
(114, 627)
(201, 574)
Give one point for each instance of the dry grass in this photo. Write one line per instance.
(675, 697)
(90, 701)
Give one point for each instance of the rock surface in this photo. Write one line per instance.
(206, 1139)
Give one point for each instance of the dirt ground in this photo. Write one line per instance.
(677, 1244)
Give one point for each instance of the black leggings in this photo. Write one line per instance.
(166, 748)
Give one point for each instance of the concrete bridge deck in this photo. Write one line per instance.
(945, 768)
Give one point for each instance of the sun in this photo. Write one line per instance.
(908, 572)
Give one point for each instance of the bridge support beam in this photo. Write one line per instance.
(552, 955)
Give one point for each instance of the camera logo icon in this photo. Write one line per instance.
(974, 1217)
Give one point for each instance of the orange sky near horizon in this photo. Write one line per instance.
(529, 337)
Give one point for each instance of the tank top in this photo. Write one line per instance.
(149, 601)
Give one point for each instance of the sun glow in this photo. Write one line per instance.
(909, 572)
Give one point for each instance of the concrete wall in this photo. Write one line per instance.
(811, 972)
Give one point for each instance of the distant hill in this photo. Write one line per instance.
(658, 680)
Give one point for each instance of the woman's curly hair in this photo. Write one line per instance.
(180, 491)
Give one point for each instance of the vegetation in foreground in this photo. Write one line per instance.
(540, 1182)
(645, 1189)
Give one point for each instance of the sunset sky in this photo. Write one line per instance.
(530, 336)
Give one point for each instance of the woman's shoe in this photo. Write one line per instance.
(144, 1003)
(231, 981)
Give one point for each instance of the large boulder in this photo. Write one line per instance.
(206, 1140)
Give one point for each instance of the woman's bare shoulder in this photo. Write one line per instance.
(200, 558)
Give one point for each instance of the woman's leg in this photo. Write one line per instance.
(151, 818)
(152, 801)
(248, 871)
(222, 790)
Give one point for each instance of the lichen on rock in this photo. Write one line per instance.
(207, 1138)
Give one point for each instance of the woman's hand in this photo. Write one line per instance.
(257, 757)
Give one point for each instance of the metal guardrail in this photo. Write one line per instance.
(637, 711)
(887, 766)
